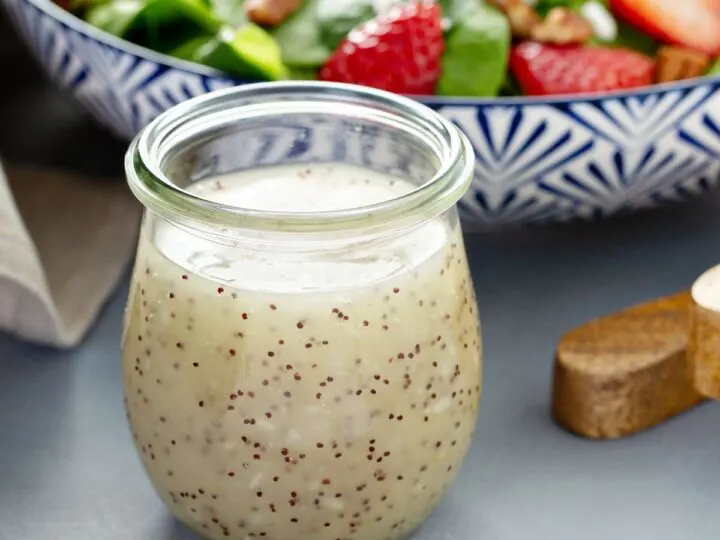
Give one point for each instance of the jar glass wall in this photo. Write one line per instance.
(301, 350)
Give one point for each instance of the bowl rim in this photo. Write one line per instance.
(82, 27)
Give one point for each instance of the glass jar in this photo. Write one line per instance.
(301, 350)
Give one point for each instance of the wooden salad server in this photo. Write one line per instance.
(636, 368)
(625, 372)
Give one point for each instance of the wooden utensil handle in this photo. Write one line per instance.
(626, 372)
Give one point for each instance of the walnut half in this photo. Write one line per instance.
(521, 16)
(562, 26)
(677, 63)
(270, 12)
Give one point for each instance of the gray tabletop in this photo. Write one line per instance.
(68, 469)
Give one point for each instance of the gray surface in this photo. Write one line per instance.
(68, 470)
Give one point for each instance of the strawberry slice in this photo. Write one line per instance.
(694, 24)
(545, 70)
(399, 51)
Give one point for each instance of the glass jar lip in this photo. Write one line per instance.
(148, 182)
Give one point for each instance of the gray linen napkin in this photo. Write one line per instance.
(65, 241)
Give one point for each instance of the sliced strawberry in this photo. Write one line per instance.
(545, 70)
(694, 24)
(399, 51)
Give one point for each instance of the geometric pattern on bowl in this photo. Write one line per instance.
(538, 160)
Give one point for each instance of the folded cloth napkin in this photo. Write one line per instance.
(65, 242)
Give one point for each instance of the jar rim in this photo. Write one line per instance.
(154, 189)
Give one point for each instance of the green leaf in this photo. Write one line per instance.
(476, 54)
(302, 74)
(231, 12)
(714, 68)
(157, 24)
(338, 17)
(510, 87)
(300, 38)
(248, 51)
(456, 10)
(630, 37)
(115, 17)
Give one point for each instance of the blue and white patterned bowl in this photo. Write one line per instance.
(538, 160)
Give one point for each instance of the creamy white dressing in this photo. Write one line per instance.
(278, 396)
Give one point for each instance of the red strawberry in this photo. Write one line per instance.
(694, 24)
(545, 70)
(398, 51)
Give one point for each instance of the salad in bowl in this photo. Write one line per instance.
(576, 109)
(470, 48)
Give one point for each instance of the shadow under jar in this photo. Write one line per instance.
(302, 352)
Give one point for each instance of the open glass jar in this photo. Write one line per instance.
(301, 351)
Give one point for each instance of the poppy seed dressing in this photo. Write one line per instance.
(281, 394)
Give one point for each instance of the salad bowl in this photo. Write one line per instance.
(538, 159)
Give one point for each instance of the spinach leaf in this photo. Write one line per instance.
(215, 33)
(337, 17)
(510, 87)
(115, 17)
(232, 12)
(248, 51)
(300, 38)
(456, 10)
(148, 22)
(302, 74)
(476, 54)
(631, 38)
